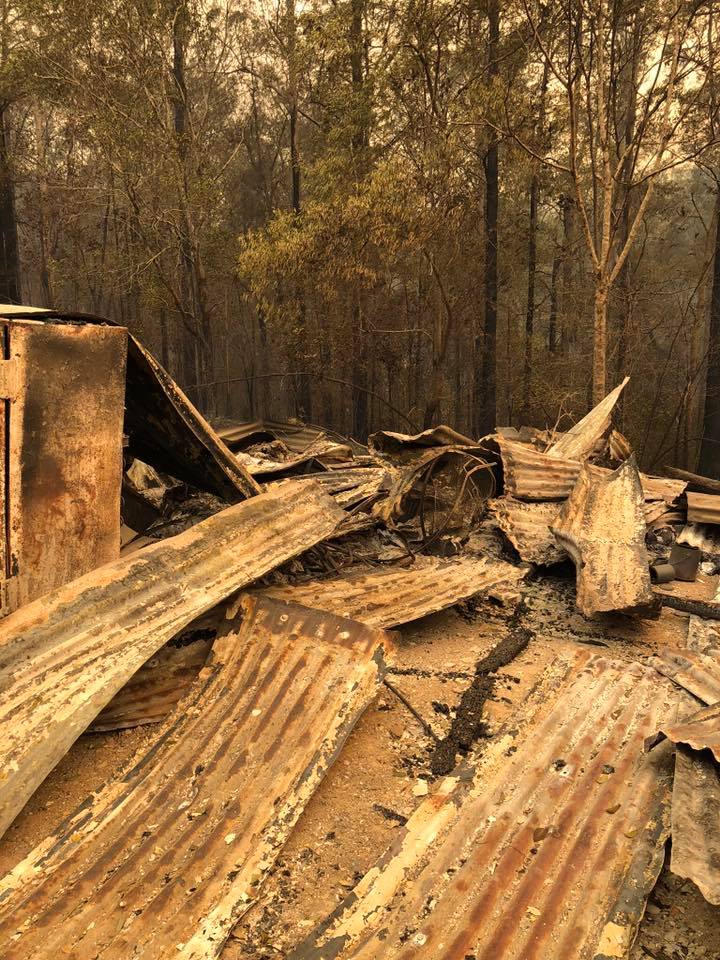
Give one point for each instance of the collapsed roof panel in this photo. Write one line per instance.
(552, 852)
(64, 656)
(387, 597)
(693, 671)
(162, 861)
(527, 527)
(695, 821)
(581, 439)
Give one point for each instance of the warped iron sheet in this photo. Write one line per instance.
(696, 822)
(387, 597)
(349, 486)
(64, 656)
(527, 527)
(581, 439)
(703, 507)
(162, 861)
(701, 731)
(695, 672)
(602, 527)
(388, 442)
(552, 853)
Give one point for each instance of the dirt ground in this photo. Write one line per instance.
(383, 770)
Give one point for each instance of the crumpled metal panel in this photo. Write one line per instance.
(696, 822)
(703, 507)
(693, 671)
(533, 475)
(581, 439)
(701, 731)
(162, 861)
(552, 853)
(390, 596)
(527, 527)
(64, 454)
(602, 527)
(388, 442)
(63, 657)
(349, 486)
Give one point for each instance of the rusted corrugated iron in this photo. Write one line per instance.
(701, 731)
(162, 861)
(351, 485)
(580, 441)
(387, 442)
(693, 671)
(602, 527)
(695, 819)
(394, 595)
(703, 507)
(64, 656)
(533, 475)
(152, 692)
(552, 853)
(60, 484)
(527, 527)
(297, 436)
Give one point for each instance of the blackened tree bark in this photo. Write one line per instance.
(359, 144)
(9, 259)
(485, 346)
(530, 309)
(710, 447)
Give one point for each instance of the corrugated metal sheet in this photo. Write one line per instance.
(387, 597)
(351, 485)
(63, 657)
(695, 822)
(64, 455)
(532, 475)
(703, 507)
(238, 434)
(527, 527)
(581, 439)
(387, 442)
(693, 671)
(163, 860)
(551, 854)
(152, 692)
(701, 731)
(602, 527)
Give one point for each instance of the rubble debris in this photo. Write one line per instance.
(64, 656)
(701, 731)
(695, 820)
(694, 481)
(351, 486)
(468, 724)
(603, 529)
(705, 537)
(385, 442)
(207, 807)
(294, 434)
(527, 527)
(682, 564)
(580, 441)
(703, 507)
(60, 494)
(695, 672)
(529, 860)
(390, 596)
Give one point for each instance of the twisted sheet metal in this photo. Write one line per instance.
(387, 597)
(581, 439)
(695, 672)
(527, 527)
(162, 861)
(696, 822)
(602, 527)
(551, 854)
(701, 731)
(64, 656)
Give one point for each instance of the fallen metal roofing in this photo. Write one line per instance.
(64, 656)
(351, 485)
(387, 597)
(703, 507)
(693, 671)
(701, 731)
(297, 436)
(552, 852)
(695, 820)
(162, 860)
(580, 441)
(527, 527)
(387, 442)
(602, 527)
